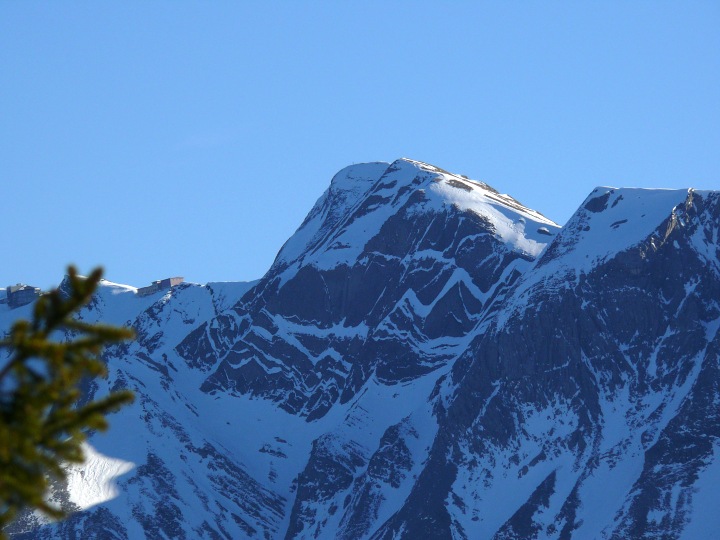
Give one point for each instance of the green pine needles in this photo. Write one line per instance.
(42, 422)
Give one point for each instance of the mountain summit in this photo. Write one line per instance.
(426, 358)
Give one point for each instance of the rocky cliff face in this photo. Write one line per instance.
(586, 408)
(390, 270)
(426, 358)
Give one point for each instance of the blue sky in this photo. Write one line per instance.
(191, 138)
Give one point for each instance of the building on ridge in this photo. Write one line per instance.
(21, 294)
(159, 285)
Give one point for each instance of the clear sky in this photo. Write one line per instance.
(191, 138)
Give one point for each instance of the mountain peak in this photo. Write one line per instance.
(362, 197)
(611, 220)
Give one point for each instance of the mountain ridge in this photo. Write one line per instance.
(421, 360)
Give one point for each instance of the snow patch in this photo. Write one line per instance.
(93, 482)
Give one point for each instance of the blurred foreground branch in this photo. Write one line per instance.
(42, 423)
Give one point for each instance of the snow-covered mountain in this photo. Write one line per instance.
(426, 358)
